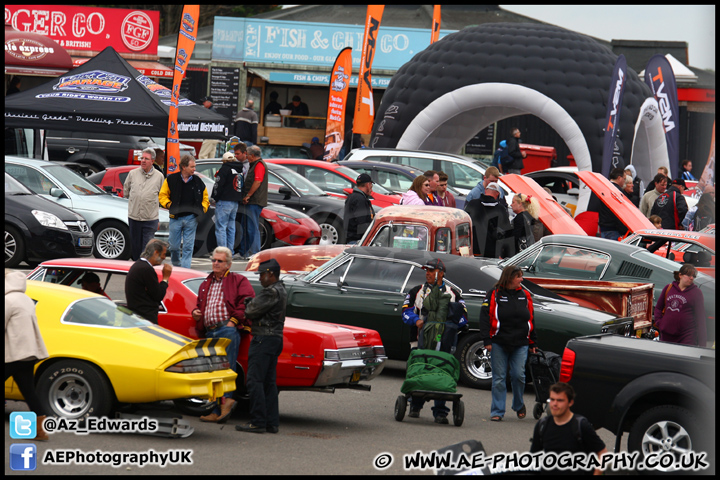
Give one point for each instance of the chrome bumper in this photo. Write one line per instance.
(340, 372)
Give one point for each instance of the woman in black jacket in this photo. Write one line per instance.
(508, 331)
(525, 208)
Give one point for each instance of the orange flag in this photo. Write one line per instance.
(185, 47)
(435, 35)
(339, 87)
(364, 107)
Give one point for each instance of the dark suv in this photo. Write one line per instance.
(101, 150)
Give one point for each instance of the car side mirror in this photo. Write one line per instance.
(286, 192)
(108, 189)
(57, 193)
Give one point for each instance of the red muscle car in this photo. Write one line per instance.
(316, 355)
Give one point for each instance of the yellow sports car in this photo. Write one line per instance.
(102, 354)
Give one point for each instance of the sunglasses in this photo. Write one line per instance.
(215, 260)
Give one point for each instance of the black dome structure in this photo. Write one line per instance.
(472, 78)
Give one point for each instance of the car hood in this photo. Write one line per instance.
(37, 202)
(551, 214)
(616, 201)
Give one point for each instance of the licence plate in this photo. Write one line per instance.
(85, 242)
(355, 377)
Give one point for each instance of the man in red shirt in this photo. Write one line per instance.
(255, 194)
(446, 198)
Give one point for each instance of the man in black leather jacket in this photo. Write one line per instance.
(267, 313)
(514, 151)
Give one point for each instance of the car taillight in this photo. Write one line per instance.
(567, 366)
(379, 351)
(134, 157)
(200, 364)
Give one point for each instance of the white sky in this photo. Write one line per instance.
(694, 24)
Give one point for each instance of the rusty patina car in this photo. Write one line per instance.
(420, 228)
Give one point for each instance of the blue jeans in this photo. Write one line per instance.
(182, 231)
(225, 212)
(250, 244)
(232, 350)
(502, 358)
(610, 234)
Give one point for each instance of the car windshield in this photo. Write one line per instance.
(13, 187)
(72, 181)
(296, 181)
(102, 312)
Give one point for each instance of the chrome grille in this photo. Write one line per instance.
(78, 226)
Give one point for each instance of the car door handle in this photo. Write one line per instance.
(391, 303)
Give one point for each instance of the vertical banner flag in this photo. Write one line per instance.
(185, 46)
(612, 159)
(337, 100)
(435, 35)
(659, 75)
(708, 175)
(364, 108)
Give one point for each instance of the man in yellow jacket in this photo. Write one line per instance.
(185, 195)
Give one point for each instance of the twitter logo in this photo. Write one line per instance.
(23, 425)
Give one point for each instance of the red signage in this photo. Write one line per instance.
(89, 29)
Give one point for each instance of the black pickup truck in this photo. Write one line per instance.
(663, 394)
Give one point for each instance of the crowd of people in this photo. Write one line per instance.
(227, 306)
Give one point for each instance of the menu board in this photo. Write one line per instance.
(224, 85)
(482, 143)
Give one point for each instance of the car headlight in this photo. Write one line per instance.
(200, 364)
(47, 219)
(287, 219)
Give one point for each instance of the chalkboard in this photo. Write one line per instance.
(224, 85)
(482, 143)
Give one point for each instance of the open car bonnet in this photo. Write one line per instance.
(551, 213)
(616, 201)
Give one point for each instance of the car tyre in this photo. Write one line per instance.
(458, 413)
(400, 407)
(475, 369)
(267, 236)
(112, 241)
(666, 428)
(74, 389)
(331, 231)
(14, 247)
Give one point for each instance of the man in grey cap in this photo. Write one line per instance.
(358, 209)
(267, 313)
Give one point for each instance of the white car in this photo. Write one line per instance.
(463, 172)
(107, 215)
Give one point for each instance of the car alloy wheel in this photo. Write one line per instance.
(112, 241)
(74, 389)
(14, 247)
(475, 367)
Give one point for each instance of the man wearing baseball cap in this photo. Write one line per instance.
(358, 209)
(415, 314)
(267, 313)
